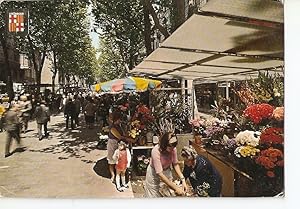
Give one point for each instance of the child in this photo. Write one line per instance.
(122, 157)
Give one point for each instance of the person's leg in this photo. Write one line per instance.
(112, 171)
(119, 188)
(72, 122)
(8, 143)
(46, 129)
(67, 121)
(124, 179)
(40, 131)
(77, 119)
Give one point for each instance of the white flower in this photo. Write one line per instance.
(250, 138)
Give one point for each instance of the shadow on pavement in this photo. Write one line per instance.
(101, 168)
(72, 143)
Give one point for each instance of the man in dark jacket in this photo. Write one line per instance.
(70, 113)
(42, 115)
(12, 125)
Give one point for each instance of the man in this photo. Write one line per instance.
(77, 105)
(69, 113)
(42, 115)
(12, 128)
(26, 110)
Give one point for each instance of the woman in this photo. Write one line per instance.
(199, 170)
(114, 136)
(163, 155)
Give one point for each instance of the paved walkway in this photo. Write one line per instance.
(67, 165)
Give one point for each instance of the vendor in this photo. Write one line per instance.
(163, 155)
(203, 176)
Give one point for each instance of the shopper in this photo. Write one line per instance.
(163, 156)
(122, 157)
(12, 124)
(199, 170)
(42, 116)
(69, 112)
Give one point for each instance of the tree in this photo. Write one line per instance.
(110, 61)
(4, 37)
(122, 23)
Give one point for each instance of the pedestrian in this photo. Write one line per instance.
(42, 115)
(12, 124)
(163, 155)
(115, 135)
(69, 113)
(89, 112)
(77, 104)
(200, 171)
(26, 110)
(123, 158)
(2, 111)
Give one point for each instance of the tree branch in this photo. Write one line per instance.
(151, 10)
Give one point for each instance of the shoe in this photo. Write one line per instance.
(113, 179)
(7, 155)
(125, 186)
(120, 189)
(40, 138)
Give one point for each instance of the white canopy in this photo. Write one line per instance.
(211, 48)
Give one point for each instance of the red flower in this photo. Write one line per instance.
(272, 136)
(271, 174)
(280, 163)
(270, 158)
(258, 112)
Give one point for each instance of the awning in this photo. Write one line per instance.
(217, 48)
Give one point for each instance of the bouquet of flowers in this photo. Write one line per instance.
(135, 129)
(246, 151)
(272, 136)
(142, 163)
(270, 159)
(250, 138)
(198, 126)
(144, 115)
(258, 112)
(202, 190)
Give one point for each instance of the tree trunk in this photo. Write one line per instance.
(147, 29)
(38, 60)
(54, 72)
(178, 13)
(151, 10)
(7, 70)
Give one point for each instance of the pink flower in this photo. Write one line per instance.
(278, 113)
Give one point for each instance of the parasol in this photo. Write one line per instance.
(129, 84)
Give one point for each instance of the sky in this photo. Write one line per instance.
(94, 36)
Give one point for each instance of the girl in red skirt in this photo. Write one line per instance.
(122, 157)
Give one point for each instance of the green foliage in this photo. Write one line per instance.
(111, 65)
(121, 24)
(172, 107)
(268, 88)
(60, 29)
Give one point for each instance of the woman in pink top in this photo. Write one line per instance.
(163, 156)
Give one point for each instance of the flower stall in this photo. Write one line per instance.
(249, 140)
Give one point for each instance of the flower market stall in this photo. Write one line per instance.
(250, 139)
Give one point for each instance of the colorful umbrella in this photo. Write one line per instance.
(127, 85)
